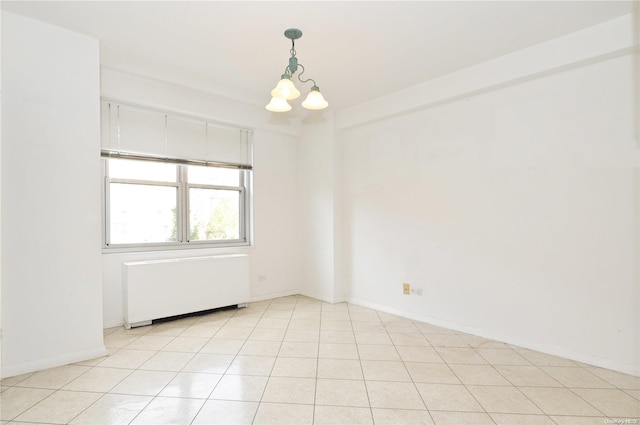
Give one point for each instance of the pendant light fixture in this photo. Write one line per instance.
(286, 90)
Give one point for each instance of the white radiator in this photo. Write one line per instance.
(164, 288)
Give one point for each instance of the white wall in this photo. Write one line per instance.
(317, 208)
(514, 208)
(51, 268)
(275, 254)
(0, 202)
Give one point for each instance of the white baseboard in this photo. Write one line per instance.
(531, 345)
(328, 298)
(64, 359)
(115, 323)
(274, 295)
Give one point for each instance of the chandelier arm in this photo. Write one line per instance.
(306, 80)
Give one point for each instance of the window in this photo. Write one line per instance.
(173, 181)
(149, 203)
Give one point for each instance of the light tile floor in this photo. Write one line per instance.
(296, 360)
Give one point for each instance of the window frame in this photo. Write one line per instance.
(183, 224)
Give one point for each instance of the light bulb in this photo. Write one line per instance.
(285, 90)
(278, 105)
(315, 100)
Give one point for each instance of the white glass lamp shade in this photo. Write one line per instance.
(315, 100)
(278, 104)
(285, 90)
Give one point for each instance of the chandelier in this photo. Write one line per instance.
(286, 90)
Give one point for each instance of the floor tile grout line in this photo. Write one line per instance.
(255, 415)
(588, 370)
(570, 388)
(552, 420)
(315, 394)
(230, 363)
(409, 373)
(182, 369)
(55, 390)
(31, 407)
(366, 387)
(176, 373)
(444, 362)
(103, 394)
(154, 397)
(493, 366)
(587, 401)
(457, 377)
(219, 379)
(519, 388)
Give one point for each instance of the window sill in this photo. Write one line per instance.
(118, 249)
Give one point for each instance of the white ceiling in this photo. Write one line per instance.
(355, 50)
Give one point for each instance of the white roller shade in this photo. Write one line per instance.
(130, 130)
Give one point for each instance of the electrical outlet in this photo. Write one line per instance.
(406, 288)
(416, 291)
(262, 277)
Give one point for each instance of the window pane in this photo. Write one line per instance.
(142, 170)
(142, 214)
(214, 214)
(214, 176)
